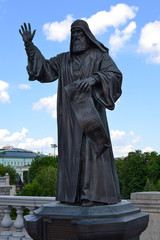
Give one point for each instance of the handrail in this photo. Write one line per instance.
(15, 229)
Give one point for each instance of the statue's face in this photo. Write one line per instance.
(80, 41)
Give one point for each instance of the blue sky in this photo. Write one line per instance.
(130, 29)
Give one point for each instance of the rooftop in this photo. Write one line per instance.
(18, 153)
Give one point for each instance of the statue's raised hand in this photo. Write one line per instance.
(26, 34)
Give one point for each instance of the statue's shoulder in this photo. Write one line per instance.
(63, 55)
(98, 53)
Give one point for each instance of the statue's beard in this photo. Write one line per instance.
(79, 45)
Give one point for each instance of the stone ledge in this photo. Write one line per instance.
(5, 186)
(25, 201)
(147, 201)
(145, 196)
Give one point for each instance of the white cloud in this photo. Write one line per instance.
(136, 139)
(117, 16)
(3, 133)
(122, 151)
(119, 38)
(131, 133)
(20, 140)
(148, 149)
(17, 136)
(58, 31)
(120, 147)
(31, 143)
(123, 142)
(149, 42)
(98, 23)
(24, 86)
(48, 103)
(117, 134)
(4, 96)
(9, 139)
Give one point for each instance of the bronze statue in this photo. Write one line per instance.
(88, 83)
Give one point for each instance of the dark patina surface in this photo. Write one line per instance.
(89, 82)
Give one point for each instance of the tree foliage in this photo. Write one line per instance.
(11, 171)
(138, 172)
(133, 173)
(153, 167)
(44, 184)
(42, 177)
(38, 164)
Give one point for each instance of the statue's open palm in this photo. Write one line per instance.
(26, 34)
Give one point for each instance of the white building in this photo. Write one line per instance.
(17, 158)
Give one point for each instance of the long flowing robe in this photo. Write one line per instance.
(81, 174)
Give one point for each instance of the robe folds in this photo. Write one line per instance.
(82, 174)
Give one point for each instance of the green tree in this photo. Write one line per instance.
(150, 186)
(25, 177)
(11, 171)
(32, 189)
(139, 172)
(153, 167)
(44, 184)
(47, 178)
(133, 173)
(153, 164)
(38, 164)
(119, 165)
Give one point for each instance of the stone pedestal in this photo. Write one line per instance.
(121, 221)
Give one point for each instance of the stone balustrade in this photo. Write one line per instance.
(149, 202)
(5, 180)
(5, 187)
(14, 230)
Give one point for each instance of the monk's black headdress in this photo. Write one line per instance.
(84, 26)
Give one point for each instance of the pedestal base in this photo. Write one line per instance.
(55, 221)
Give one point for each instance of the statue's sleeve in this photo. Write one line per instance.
(38, 67)
(109, 81)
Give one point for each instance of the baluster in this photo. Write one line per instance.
(31, 210)
(6, 224)
(18, 225)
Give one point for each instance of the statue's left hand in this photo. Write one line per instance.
(26, 34)
(85, 84)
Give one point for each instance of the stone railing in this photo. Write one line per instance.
(14, 230)
(5, 187)
(4, 180)
(149, 202)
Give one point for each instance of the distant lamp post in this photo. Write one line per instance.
(54, 146)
